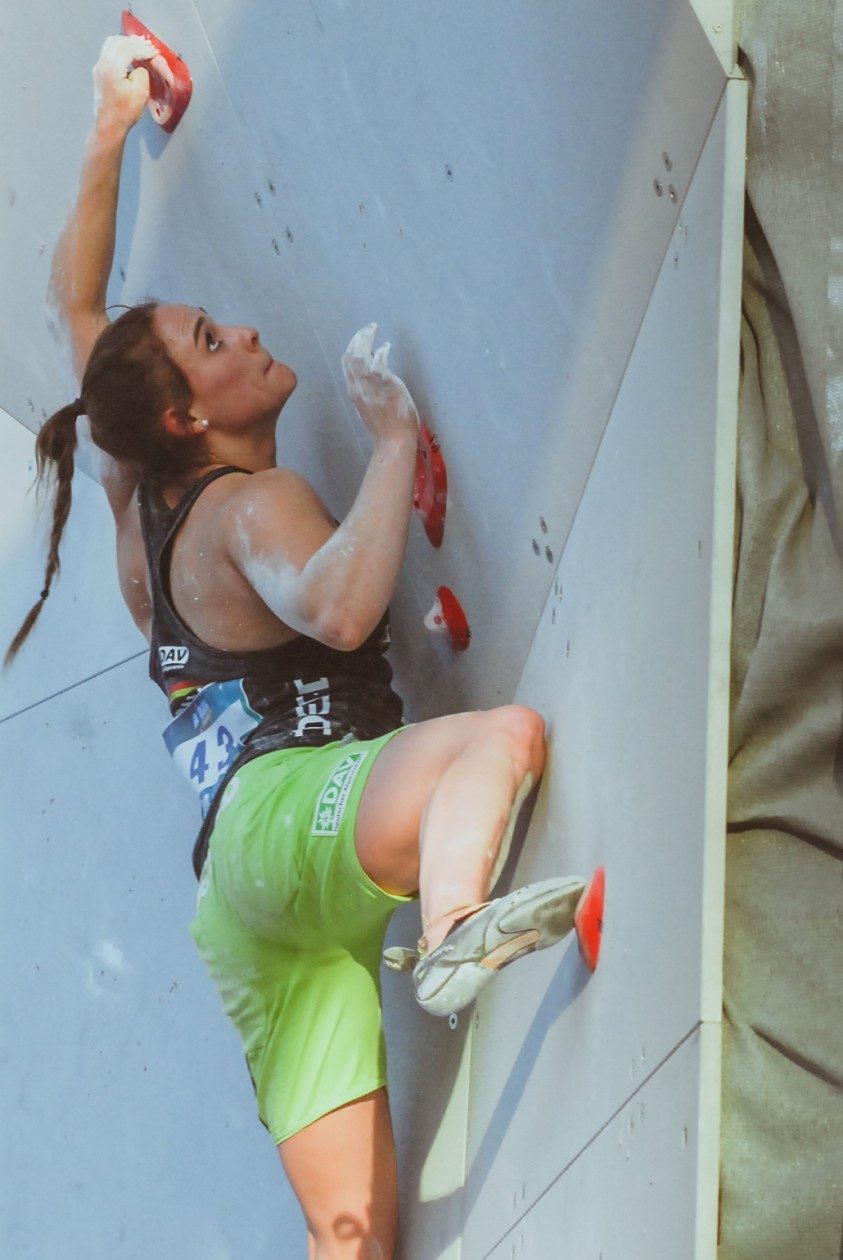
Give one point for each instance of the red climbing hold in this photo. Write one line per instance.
(447, 617)
(589, 919)
(170, 84)
(431, 491)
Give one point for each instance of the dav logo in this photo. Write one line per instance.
(171, 658)
(334, 797)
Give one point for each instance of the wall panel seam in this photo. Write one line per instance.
(27, 708)
(623, 376)
(695, 1028)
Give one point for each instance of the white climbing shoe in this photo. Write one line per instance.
(492, 936)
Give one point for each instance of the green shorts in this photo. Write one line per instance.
(291, 929)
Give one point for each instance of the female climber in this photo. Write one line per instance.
(267, 625)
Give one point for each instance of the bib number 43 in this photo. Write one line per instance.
(226, 751)
(209, 733)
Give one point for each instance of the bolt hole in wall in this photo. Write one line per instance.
(659, 186)
(548, 554)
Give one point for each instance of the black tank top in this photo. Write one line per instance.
(228, 707)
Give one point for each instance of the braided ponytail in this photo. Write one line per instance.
(130, 380)
(54, 449)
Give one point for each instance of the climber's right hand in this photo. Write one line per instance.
(381, 398)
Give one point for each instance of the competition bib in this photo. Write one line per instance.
(209, 733)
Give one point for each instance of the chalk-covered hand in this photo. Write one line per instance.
(382, 399)
(121, 92)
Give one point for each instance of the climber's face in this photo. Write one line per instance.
(235, 382)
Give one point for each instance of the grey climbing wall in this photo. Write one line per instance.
(540, 207)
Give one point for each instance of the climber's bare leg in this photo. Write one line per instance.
(342, 1169)
(437, 803)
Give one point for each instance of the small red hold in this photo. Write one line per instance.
(431, 490)
(170, 84)
(588, 920)
(447, 617)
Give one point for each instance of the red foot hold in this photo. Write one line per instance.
(431, 491)
(589, 919)
(447, 617)
(170, 84)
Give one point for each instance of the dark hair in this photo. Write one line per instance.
(130, 380)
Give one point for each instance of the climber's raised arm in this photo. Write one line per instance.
(335, 585)
(85, 251)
